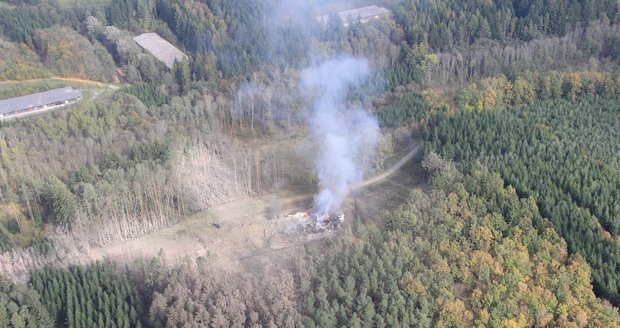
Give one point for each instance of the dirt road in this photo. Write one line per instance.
(66, 79)
(389, 172)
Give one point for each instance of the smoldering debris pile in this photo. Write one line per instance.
(311, 224)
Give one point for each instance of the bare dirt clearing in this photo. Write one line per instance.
(253, 229)
(224, 235)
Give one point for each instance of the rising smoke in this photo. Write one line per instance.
(344, 136)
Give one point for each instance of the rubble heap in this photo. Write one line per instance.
(317, 223)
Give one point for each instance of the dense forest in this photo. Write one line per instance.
(516, 222)
(21, 306)
(93, 296)
(469, 251)
(450, 23)
(565, 155)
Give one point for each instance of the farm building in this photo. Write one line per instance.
(361, 15)
(38, 102)
(163, 50)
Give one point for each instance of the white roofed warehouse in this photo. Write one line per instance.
(163, 50)
(39, 101)
(357, 15)
(363, 14)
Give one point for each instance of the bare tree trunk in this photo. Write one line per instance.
(29, 210)
(252, 117)
(257, 164)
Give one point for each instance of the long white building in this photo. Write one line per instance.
(357, 15)
(39, 101)
(163, 50)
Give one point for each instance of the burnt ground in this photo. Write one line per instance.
(252, 233)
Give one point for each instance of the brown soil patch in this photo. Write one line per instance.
(252, 230)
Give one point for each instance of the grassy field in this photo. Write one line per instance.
(6, 5)
(89, 89)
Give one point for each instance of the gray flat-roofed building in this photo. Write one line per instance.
(163, 50)
(39, 101)
(362, 15)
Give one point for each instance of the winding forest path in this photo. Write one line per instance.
(389, 172)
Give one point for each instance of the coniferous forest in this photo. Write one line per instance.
(504, 213)
(564, 154)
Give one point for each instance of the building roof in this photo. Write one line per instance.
(38, 99)
(351, 15)
(362, 12)
(160, 48)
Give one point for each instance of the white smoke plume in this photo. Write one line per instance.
(345, 136)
